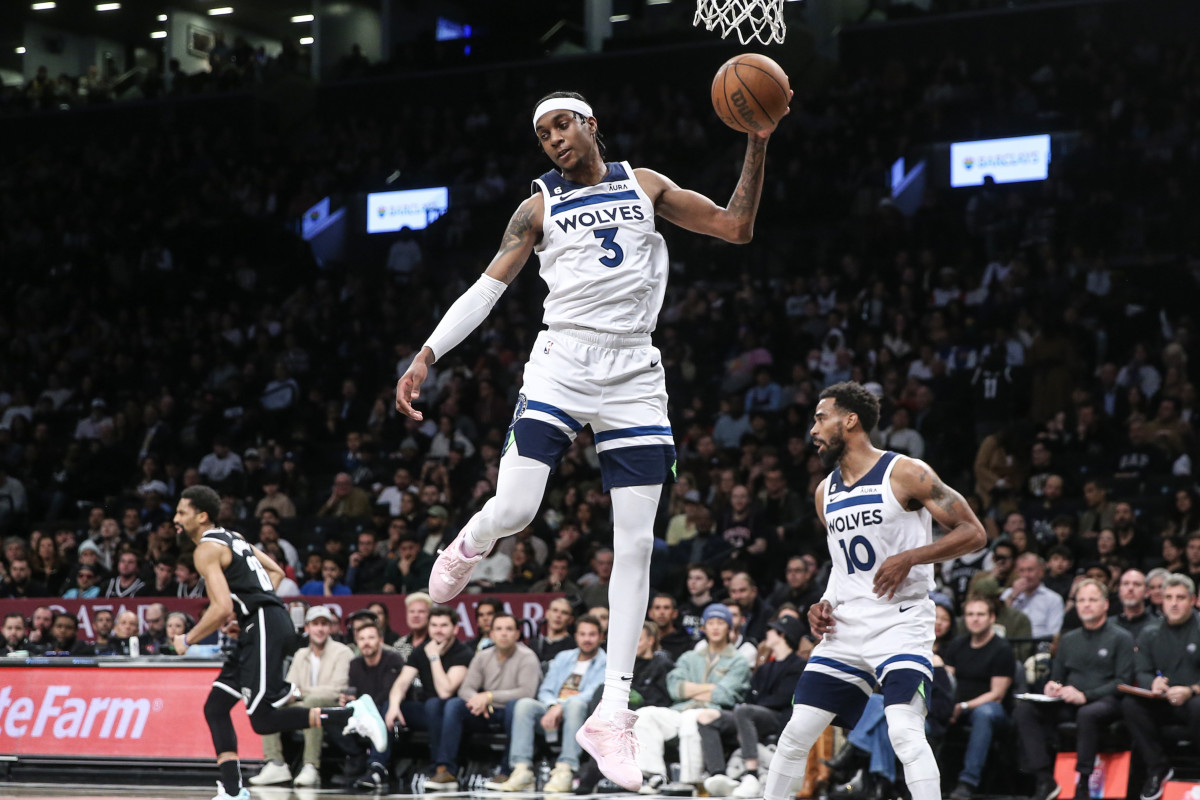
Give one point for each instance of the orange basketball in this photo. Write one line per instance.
(750, 93)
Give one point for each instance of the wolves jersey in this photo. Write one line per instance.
(249, 583)
(601, 257)
(866, 525)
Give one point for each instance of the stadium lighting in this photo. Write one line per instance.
(306, 40)
(162, 17)
(217, 12)
(303, 18)
(20, 51)
(108, 7)
(158, 35)
(619, 18)
(44, 6)
(657, 2)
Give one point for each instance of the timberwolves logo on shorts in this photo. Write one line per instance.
(511, 437)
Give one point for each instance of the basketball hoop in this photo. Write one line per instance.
(752, 19)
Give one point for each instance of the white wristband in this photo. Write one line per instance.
(465, 315)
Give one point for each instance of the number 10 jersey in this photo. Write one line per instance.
(866, 525)
(601, 256)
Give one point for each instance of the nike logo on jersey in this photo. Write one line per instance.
(627, 678)
(653, 364)
(903, 609)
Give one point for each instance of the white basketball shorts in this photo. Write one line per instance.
(613, 382)
(873, 643)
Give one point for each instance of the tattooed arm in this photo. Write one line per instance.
(522, 233)
(917, 486)
(696, 213)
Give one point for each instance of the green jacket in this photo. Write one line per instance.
(729, 671)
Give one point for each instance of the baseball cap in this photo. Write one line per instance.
(692, 496)
(318, 612)
(99, 403)
(89, 545)
(438, 511)
(289, 456)
(790, 629)
(718, 611)
(251, 452)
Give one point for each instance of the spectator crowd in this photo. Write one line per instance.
(1032, 342)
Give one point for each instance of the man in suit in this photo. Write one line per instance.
(331, 661)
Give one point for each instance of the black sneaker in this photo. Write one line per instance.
(1152, 789)
(373, 780)
(964, 791)
(1048, 789)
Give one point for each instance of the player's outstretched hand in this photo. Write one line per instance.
(408, 388)
(891, 575)
(820, 618)
(767, 134)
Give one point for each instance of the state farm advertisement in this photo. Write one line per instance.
(104, 712)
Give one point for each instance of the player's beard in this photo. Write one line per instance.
(834, 449)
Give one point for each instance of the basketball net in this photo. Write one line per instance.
(752, 19)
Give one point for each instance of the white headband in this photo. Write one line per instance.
(561, 104)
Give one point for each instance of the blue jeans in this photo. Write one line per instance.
(526, 717)
(871, 734)
(985, 720)
(456, 719)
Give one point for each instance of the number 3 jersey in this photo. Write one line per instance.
(867, 525)
(249, 584)
(601, 256)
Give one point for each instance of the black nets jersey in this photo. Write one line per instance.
(249, 584)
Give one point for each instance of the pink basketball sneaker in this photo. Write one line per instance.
(611, 743)
(451, 571)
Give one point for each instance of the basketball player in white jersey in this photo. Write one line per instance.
(592, 225)
(875, 618)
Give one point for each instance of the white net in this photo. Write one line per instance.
(752, 19)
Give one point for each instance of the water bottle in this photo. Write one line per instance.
(1096, 780)
(134, 648)
(543, 773)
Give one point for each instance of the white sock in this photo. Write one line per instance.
(616, 693)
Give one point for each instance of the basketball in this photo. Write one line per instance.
(750, 93)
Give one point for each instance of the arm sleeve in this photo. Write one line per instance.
(464, 315)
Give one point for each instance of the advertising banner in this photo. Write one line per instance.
(1023, 158)
(113, 711)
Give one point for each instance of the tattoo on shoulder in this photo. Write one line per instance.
(518, 227)
(946, 498)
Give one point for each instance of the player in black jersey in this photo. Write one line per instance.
(241, 579)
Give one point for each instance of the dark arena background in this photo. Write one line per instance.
(226, 230)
